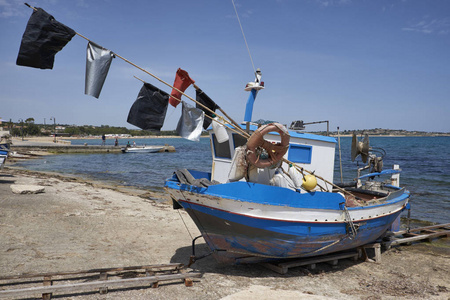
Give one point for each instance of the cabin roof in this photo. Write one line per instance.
(294, 134)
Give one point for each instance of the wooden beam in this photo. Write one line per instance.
(154, 268)
(92, 286)
(443, 226)
(415, 238)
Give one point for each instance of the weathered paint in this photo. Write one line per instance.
(245, 222)
(235, 240)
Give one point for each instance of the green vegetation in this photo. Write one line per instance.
(105, 129)
(29, 128)
(385, 132)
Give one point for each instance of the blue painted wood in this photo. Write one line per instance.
(300, 153)
(384, 172)
(249, 106)
(238, 234)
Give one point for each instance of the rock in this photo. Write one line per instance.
(27, 189)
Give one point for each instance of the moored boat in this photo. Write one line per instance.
(142, 149)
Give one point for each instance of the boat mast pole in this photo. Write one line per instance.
(253, 87)
(340, 159)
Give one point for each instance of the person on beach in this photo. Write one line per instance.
(103, 140)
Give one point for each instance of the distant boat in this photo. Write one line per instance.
(4, 150)
(142, 149)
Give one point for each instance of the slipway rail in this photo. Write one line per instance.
(427, 233)
(88, 281)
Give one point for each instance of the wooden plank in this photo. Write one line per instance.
(318, 259)
(91, 286)
(282, 268)
(275, 268)
(377, 252)
(47, 282)
(155, 268)
(188, 282)
(415, 238)
(444, 226)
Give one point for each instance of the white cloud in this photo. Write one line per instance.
(327, 3)
(427, 26)
(12, 8)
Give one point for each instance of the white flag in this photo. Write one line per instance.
(190, 124)
(98, 61)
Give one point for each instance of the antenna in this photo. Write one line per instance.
(245, 40)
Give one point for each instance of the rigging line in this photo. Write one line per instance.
(182, 219)
(222, 121)
(245, 40)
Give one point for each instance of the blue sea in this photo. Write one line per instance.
(425, 164)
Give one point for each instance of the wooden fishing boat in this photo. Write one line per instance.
(252, 208)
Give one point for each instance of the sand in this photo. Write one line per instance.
(76, 225)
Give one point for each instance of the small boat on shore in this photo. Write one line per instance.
(4, 152)
(260, 202)
(142, 149)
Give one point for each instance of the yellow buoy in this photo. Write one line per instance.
(309, 182)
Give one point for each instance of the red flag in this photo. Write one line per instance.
(182, 81)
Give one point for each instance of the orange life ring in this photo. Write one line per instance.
(276, 151)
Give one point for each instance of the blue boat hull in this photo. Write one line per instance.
(247, 222)
(239, 239)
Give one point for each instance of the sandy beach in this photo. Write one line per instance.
(77, 225)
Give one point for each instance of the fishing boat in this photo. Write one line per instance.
(270, 194)
(142, 149)
(4, 151)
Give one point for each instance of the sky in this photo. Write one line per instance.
(358, 64)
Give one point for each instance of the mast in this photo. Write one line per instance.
(253, 87)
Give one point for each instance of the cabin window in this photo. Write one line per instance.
(221, 150)
(300, 154)
(238, 140)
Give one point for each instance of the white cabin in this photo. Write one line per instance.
(311, 152)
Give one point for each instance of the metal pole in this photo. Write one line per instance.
(21, 127)
(340, 160)
(54, 128)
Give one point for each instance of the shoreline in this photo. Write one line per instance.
(50, 139)
(82, 224)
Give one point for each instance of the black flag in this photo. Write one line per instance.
(209, 103)
(42, 39)
(149, 110)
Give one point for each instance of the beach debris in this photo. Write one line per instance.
(27, 189)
